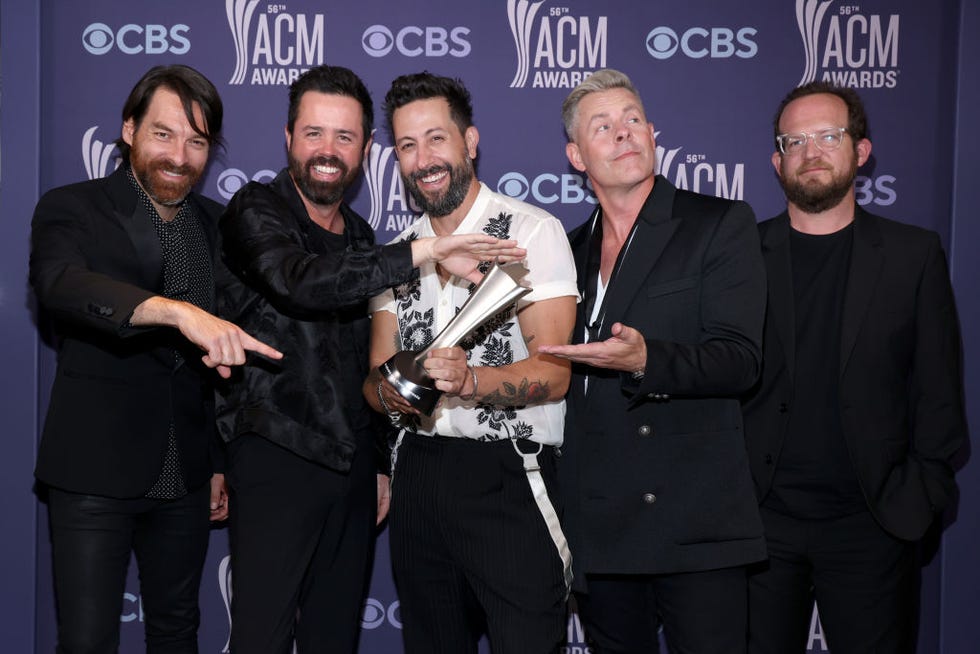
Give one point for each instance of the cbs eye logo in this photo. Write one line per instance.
(232, 179)
(515, 185)
(375, 614)
(700, 42)
(99, 39)
(416, 41)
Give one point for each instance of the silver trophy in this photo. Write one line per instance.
(498, 288)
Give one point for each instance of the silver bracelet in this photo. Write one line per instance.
(393, 416)
(476, 385)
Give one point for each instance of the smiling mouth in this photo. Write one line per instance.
(324, 169)
(432, 178)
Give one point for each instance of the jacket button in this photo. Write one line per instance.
(783, 407)
(769, 459)
(649, 498)
(644, 430)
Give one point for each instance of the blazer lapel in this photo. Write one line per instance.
(862, 278)
(139, 227)
(655, 226)
(775, 252)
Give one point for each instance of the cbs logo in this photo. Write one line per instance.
(414, 41)
(99, 38)
(699, 42)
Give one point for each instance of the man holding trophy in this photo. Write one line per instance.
(475, 541)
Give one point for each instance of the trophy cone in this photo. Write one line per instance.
(498, 288)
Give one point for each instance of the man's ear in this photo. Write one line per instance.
(863, 149)
(777, 160)
(574, 156)
(472, 138)
(128, 129)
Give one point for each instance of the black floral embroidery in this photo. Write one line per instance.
(410, 292)
(499, 226)
(496, 418)
(416, 329)
(501, 324)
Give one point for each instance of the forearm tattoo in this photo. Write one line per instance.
(527, 392)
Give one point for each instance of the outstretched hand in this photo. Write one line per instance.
(460, 254)
(625, 350)
(224, 343)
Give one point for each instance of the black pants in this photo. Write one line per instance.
(471, 551)
(700, 612)
(864, 582)
(92, 539)
(302, 539)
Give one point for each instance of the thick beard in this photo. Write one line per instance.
(162, 191)
(460, 178)
(317, 192)
(812, 198)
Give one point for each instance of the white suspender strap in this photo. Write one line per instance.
(540, 493)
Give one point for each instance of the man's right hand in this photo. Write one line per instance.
(224, 343)
(460, 254)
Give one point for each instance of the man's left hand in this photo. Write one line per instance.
(625, 351)
(219, 498)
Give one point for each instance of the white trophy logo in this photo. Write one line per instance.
(521, 14)
(665, 157)
(376, 167)
(809, 16)
(96, 154)
(239, 18)
(224, 585)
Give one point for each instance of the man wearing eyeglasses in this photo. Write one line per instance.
(853, 425)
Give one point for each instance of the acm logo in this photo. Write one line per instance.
(850, 48)
(272, 47)
(566, 48)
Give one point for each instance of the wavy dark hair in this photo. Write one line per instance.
(190, 86)
(425, 85)
(333, 80)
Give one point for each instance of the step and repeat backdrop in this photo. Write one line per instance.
(710, 73)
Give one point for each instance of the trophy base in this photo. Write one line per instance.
(411, 381)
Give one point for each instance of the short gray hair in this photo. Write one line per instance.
(601, 80)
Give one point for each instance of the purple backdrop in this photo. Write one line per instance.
(710, 72)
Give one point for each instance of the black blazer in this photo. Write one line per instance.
(95, 256)
(654, 475)
(900, 397)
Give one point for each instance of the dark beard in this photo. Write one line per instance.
(161, 191)
(323, 193)
(817, 199)
(460, 178)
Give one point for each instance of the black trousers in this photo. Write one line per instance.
(700, 612)
(864, 582)
(302, 540)
(471, 551)
(92, 539)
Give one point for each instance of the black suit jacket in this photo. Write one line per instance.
(655, 474)
(95, 257)
(900, 397)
